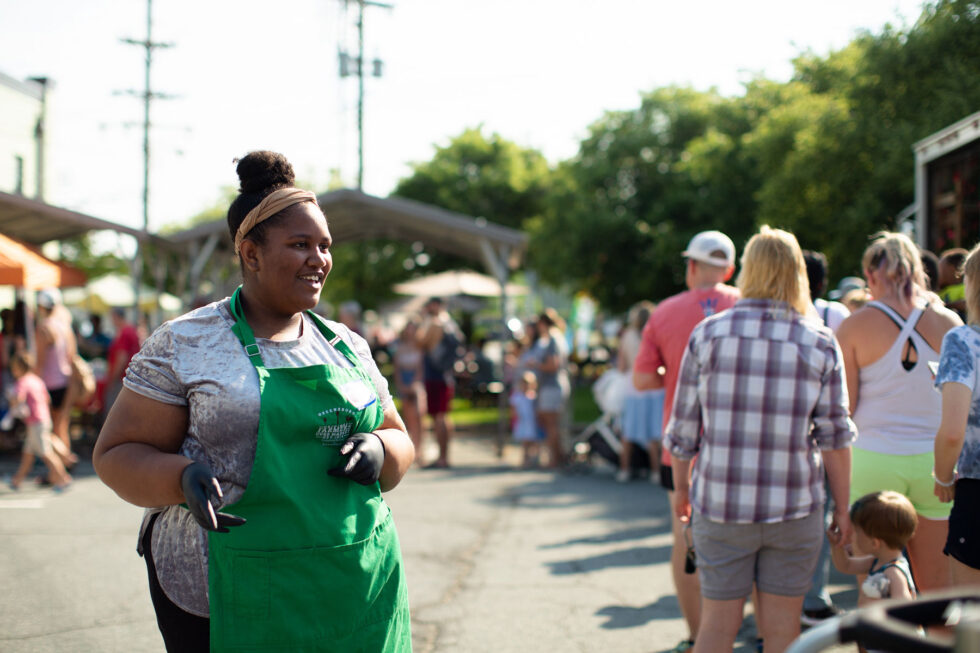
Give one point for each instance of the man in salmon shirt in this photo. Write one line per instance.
(710, 260)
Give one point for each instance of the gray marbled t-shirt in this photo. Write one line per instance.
(196, 361)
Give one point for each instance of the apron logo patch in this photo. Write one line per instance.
(337, 424)
(359, 394)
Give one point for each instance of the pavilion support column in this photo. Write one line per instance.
(160, 267)
(181, 276)
(496, 261)
(201, 254)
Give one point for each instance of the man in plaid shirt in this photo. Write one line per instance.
(761, 399)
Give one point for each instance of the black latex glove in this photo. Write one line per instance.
(367, 457)
(202, 494)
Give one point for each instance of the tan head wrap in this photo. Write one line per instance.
(271, 204)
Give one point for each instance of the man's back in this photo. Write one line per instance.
(669, 327)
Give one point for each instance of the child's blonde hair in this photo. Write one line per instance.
(22, 359)
(888, 516)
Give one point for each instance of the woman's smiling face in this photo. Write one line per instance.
(295, 260)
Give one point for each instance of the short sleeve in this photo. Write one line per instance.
(832, 425)
(363, 352)
(151, 371)
(957, 361)
(648, 359)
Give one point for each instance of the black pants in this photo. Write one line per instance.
(182, 631)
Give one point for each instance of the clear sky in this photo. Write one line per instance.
(251, 74)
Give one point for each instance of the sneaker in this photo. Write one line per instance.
(813, 617)
(684, 645)
(623, 476)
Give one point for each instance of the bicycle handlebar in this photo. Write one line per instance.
(891, 625)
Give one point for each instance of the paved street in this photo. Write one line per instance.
(498, 559)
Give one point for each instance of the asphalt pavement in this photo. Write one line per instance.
(497, 559)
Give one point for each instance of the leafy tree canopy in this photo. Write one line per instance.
(479, 176)
(482, 176)
(827, 155)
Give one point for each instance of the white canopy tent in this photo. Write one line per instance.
(117, 291)
(457, 282)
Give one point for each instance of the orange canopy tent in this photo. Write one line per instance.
(22, 266)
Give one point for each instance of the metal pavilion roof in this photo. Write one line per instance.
(34, 222)
(354, 215)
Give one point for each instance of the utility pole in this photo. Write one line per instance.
(147, 95)
(346, 62)
(40, 143)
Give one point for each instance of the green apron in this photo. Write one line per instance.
(318, 566)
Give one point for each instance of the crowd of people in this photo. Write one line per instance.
(789, 431)
(430, 359)
(799, 431)
(48, 350)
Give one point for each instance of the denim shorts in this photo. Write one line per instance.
(780, 557)
(551, 399)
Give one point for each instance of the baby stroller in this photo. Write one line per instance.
(895, 625)
(602, 436)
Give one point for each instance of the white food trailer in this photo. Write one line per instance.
(947, 176)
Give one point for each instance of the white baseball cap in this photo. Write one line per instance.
(846, 285)
(49, 297)
(711, 247)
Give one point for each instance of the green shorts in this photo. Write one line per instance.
(908, 475)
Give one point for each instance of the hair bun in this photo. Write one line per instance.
(263, 170)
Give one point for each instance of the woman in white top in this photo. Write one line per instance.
(887, 346)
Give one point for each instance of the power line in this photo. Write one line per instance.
(148, 95)
(350, 65)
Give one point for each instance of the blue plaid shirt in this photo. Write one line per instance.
(761, 391)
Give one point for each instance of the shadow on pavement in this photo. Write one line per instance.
(622, 535)
(638, 556)
(624, 616)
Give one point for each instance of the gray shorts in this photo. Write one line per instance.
(780, 558)
(551, 399)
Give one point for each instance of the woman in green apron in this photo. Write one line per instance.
(260, 438)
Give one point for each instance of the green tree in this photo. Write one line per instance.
(812, 168)
(82, 255)
(480, 176)
(365, 271)
(881, 94)
(642, 183)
